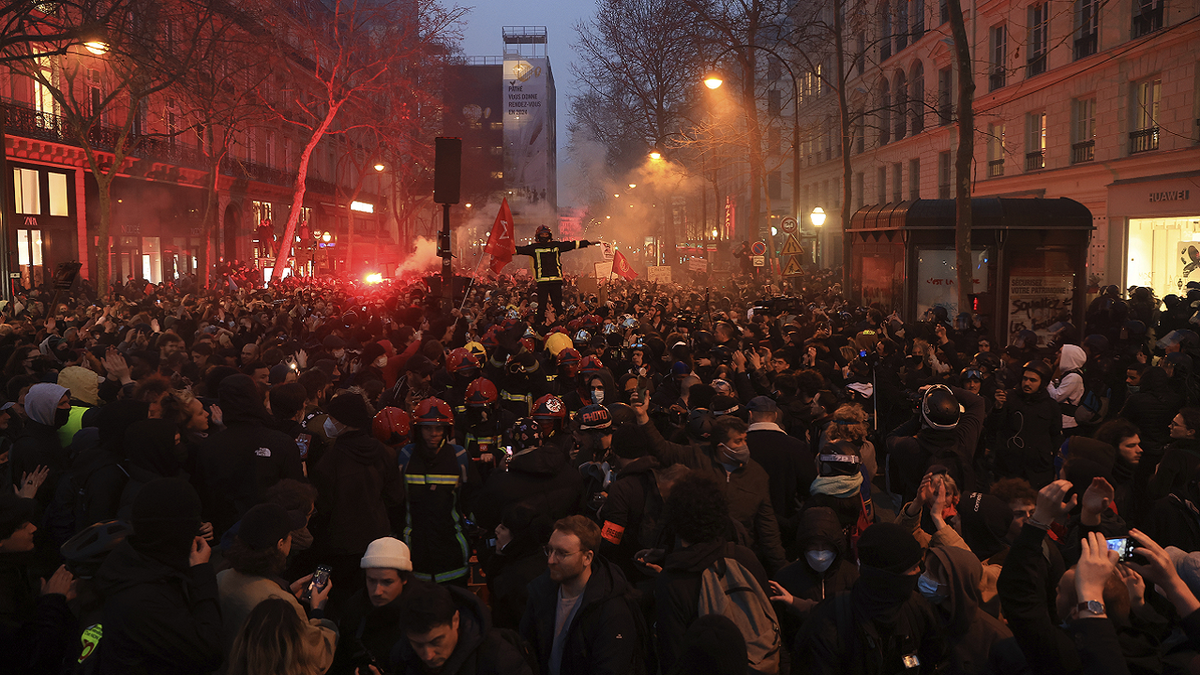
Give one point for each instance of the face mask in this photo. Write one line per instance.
(737, 456)
(61, 417)
(330, 427)
(1133, 388)
(932, 590)
(819, 560)
(598, 396)
(381, 362)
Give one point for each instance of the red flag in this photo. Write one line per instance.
(621, 266)
(500, 243)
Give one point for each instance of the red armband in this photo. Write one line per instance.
(612, 533)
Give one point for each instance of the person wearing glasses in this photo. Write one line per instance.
(581, 617)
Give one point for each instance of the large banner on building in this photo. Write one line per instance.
(1038, 300)
(529, 134)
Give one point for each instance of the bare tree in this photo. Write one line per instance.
(337, 55)
(140, 65)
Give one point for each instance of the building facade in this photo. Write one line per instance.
(1087, 100)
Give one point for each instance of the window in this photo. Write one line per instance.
(860, 54)
(918, 19)
(998, 57)
(917, 98)
(995, 150)
(898, 181)
(881, 184)
(914, 179)
(774, 185)
(171, 118)
(1039, 21)
(945, 96)
(287, 154)
(885, 31)
(1035, 141)
(860, 135)
(1087, 27)
(901, 24)
(1083, 130)
(774, 140)
(885, 113)
(945, 171)
(1147, 17)
(269, 148)
(95, 94)
(1145, 134)
(943, 11)
(901, 105)
(43, 96)
(58, 193)
(773, 102)
(774, 70)
(262, 212)
(27, 192)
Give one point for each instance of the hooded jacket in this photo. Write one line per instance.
(605, 636)
(970, 632)
(149, 448)
(1151, 410)
(677, 591)
(481, 650)
(236, 465)
(819, 526)
(360, 489)
(1069, 388)
(631, 519)
(157, 618)
(1180, 461)
(1029, 427)
(541, 477)
(38, 443)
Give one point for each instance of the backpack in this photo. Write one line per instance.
(522, 646)
(727, 588)
(1093, 405)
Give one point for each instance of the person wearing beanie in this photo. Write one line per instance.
(882, 624)
(360, 488)
(257, 557)
(1029, 426)
(236, 465)
(84, 387)
(370, 618)
(160, 608)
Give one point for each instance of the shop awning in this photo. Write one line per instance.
(987, 213)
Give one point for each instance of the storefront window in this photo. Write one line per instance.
(26, 192)
(151, 260)
(1164, 253)
(58, 194)
(29, 256)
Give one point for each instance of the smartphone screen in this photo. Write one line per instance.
(318, 581)
(1122, 545)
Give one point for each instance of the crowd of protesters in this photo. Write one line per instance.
(326, 476)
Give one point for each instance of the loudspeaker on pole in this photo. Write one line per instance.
(447, 170)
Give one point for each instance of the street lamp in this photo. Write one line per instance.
(655, 154)
(818, 217)
(379, 166)
(97, 47)
(713, 81)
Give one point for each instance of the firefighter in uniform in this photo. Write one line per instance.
(547, 265)
(436, 472)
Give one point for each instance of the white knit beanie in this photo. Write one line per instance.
(387, 552)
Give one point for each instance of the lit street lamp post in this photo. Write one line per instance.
(714, 81)
(818, 219)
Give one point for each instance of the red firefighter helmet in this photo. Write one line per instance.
(590, 364)
(391, 426)
(528, 344)
(461, 359)
(433, 412)
(481, 392)
(489, 340)
(569, 358)
(549, 407)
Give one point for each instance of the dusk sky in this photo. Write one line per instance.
(482, 38)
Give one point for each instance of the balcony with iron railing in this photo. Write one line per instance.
(995, 167)
(996, 78)
(1083, 151)
(1143, 140)
(1035, 161)
(23, 121)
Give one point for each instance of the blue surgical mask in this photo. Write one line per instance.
(819, 560)
(330, 427)
(932, 590)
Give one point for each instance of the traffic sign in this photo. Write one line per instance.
(792, 246)
(788, 225)
(759, 260)
(793, 268)
(758, 248)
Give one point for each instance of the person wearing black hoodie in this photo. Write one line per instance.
(98, 476)
(161, 613)
(951, 583)
(237, 464)
(1029, 425)
(826, 568)
(359, 486)
(518, 560)
(447, 632)
(881, 624)
(150, 454)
